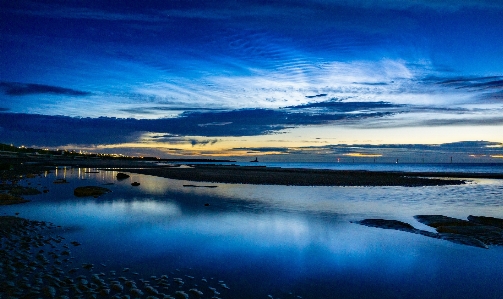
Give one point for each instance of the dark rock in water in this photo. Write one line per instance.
(462, 239)
(441, 220)
(135, 184)
(387, 224)
(489, 235)
(60, 181)
(491, 221)
(7, 199)
(18, 190)
(450, 229)
(196, 186)
(90, 191)
(122, 176)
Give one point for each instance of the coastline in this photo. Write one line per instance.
(257, 175)
(298, 177)
(42, 247)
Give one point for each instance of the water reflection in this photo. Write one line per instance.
(276, 239)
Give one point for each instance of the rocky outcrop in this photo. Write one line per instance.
(122, 176)
(441, 220)
(491, 221)
(7, 199)
(90, 191)
(478, 231)
(19, 190)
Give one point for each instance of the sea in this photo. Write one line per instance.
(263, 241)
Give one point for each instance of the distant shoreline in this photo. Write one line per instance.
(305, 177)
(261, 175)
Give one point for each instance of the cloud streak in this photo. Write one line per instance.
(50, 130)
(22, 89)
(464, 151)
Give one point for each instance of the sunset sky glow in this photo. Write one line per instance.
(311, 80)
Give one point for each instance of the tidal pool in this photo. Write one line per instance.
(282, 241)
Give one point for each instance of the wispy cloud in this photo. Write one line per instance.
(464, 151)
(21, 89)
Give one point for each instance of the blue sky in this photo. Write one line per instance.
(309, 80)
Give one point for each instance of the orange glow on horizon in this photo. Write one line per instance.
(363, 155)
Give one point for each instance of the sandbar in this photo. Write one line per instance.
(261, 175)
(293, 176)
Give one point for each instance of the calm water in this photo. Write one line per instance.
(417, 167)
(281, 241)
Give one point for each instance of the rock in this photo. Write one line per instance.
(196, 292)
(130, 284)
(388, 224)
(60, 181)
(181, 295)
(490, 221)
(117, 287)
(150, 290)
(18, 191)
(440, 220)
(7, 199)
(450, 229)
(488, 235)
(49, 291)
(136, 292)
(90, 191)
(463, 240)
(121, 176)
(135, 184)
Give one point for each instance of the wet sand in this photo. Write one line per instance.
(255, 174)
(293, 176)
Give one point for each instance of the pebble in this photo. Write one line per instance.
(31, 267)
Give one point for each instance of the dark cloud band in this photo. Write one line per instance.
(21, 89)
